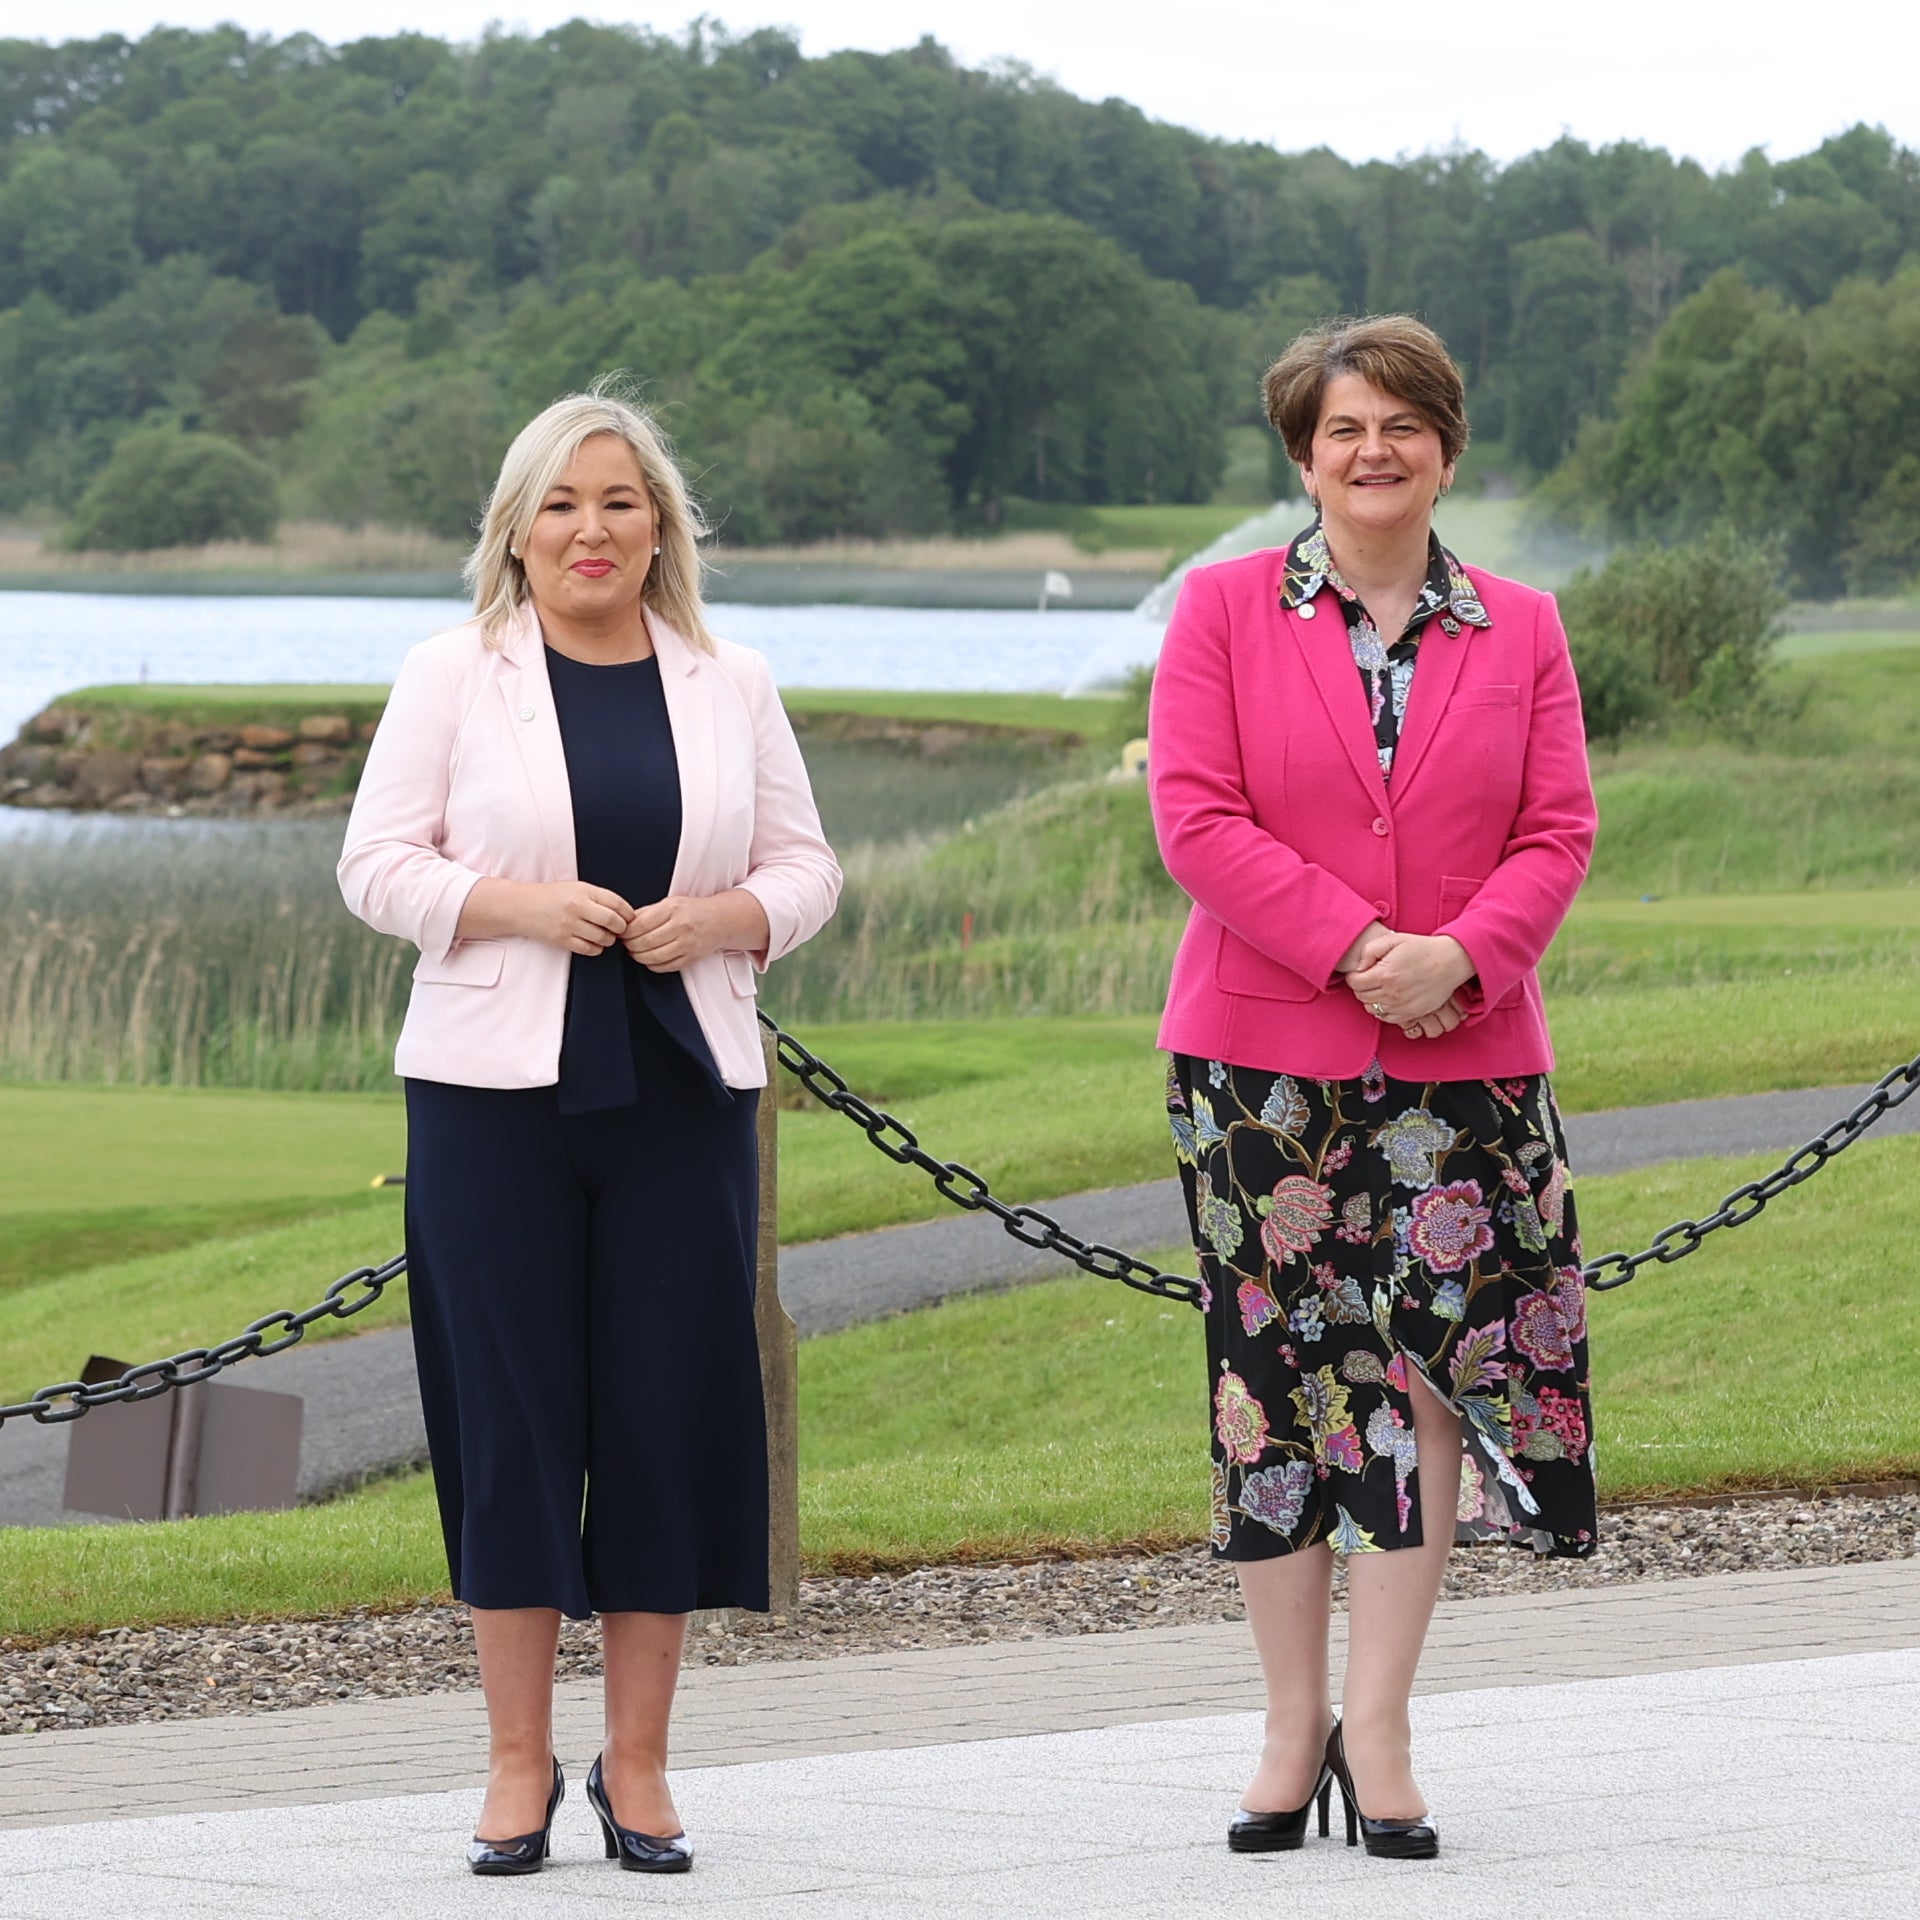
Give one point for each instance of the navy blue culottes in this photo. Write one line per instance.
(582, 1291)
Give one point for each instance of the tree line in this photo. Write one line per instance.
(878, 292)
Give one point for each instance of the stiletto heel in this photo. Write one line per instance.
(527, 1853)
(1384, 1839)
(637, 1852)
(1279, 1832)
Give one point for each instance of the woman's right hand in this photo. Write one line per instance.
(1372, 940)
(560, 913)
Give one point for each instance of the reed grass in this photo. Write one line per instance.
(147, 953)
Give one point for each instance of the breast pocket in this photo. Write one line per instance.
(468, 963)
(1467, 699)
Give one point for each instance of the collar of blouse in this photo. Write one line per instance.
(1446, 590)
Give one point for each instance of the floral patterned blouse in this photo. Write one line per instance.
(1387, 670)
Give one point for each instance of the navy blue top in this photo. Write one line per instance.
(627, 1028)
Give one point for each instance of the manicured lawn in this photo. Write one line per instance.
(1073, 1414)
(74, 1146)
(274, 704)
(1816, 908)
(277, 704)
(1039, 1107)
(98, 1175)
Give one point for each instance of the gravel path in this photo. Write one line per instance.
(169, 1674)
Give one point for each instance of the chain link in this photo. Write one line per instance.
(1746, 1203)
(52, 1406)
(1036, 1229)
(966, 1189)
(70, 1399)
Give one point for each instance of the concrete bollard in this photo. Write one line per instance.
(779, 1363)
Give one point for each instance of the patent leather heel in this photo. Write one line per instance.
(529, 1851)
(637, 1852)
(1281, 1832)
(1384, 1839)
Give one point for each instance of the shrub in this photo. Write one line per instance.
(167, 488)
(1687, 629)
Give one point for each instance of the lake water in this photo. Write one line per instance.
(51, 643)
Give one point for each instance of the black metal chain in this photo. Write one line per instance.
(1744, 1203)
(71, 1398)
(967, 1190)
(1037, 1229)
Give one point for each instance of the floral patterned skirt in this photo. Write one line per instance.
(1349, 1231)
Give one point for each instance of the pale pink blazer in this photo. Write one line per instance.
(1273, 815)
(467, 778)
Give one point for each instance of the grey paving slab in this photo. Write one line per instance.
(912, 1698)
(1611, 1799)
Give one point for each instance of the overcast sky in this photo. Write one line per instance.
(1372, 80)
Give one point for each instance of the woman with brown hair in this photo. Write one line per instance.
(1369, 773)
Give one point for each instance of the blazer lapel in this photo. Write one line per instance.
(687, 679)
(535, 730)
(1442, 654)
(1323, 643)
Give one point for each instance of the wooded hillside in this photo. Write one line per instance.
(875, 293)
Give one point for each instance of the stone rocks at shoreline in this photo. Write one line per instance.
(124, 761)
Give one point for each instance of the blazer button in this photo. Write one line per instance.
(1381, 907)
(1381, 828)
(526, 713)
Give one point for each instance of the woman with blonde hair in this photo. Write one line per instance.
(592, 818)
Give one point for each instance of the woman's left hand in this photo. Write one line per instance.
(1411, 985)
(671, 934)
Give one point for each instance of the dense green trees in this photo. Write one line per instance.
(881, 292)
(166, 488)
(1804, 422)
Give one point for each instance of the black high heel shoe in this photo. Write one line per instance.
(1385, 1839)
(1281, 1832)
(528, 1853)
(637, 1852)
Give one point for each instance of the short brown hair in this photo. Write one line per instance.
(1397, 353)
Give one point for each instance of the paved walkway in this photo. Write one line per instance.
(363, 1411)
(1738, 1746)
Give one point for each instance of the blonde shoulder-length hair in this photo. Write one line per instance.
(541, 452)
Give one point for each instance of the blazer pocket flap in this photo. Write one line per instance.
(740, 975)
(1456, 895)
(469, 963)
(1243, 968)
(1486, 697)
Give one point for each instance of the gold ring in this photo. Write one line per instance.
(1380, 1012)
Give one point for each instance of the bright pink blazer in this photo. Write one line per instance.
(467, 778)
(1272, 814)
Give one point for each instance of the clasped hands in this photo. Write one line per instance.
(1409, 979)
(666, 937)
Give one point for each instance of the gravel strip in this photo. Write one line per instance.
(181, 1673)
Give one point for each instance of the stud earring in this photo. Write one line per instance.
(656, 549)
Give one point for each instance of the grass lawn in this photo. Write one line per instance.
(213, 706)
(222, 706)
(1073, 1415)
(105, 1174)
(1040, 1107)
